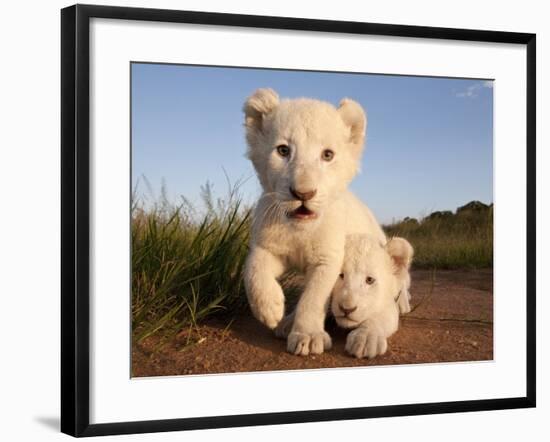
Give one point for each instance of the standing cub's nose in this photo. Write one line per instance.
(347, 311)
(303, 196)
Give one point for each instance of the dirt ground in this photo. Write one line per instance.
(452, 321)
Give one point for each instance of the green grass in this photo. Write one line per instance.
(184, 267)
(451, 240)
(187, 267)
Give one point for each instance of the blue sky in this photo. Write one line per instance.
(429, 140)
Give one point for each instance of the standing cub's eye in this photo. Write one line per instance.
(341, 276)
(327, 155)
(283, 150)
(370, 280)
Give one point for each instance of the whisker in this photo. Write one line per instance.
(274, 206)
(267, 213)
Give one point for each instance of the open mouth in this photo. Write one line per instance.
(302, 213)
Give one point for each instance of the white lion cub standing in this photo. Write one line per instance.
(366, 293)
(305, 153)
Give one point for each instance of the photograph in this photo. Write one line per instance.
(299, 219)
(255, 207)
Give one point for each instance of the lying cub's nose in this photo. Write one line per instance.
(303, 196)
(347, 311)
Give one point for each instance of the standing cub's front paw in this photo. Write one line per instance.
(366, 342)
(305, 343)
(269, 311)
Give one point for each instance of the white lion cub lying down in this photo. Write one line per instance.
(365, 296)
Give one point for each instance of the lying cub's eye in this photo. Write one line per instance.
(283, 150)
(341, 276)
(370, 280)
(327, 155)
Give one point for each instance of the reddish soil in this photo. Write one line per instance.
(452, 321)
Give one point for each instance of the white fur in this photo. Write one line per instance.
(401, 249)
(372, 309)
(314, 246)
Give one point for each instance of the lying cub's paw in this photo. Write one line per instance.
(305, 343)
(366, 342)
(283, 328)
(403, 302)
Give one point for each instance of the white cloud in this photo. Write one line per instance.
(472, 91)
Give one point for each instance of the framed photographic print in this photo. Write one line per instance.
(278, 212)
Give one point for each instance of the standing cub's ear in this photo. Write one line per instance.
(401, 253)
(354, 117)
(257, 106)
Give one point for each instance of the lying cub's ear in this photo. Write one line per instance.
(257, 106)
(401, 253)
(354, 117)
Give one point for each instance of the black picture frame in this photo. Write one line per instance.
(75, 211)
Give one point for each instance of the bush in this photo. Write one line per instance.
(445, 240)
